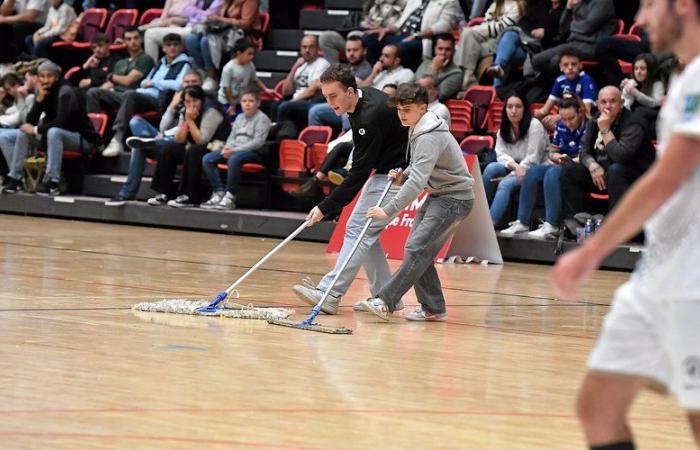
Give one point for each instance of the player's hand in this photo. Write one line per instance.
(396, 175)
(571, 270)
(375, 212)
(315, 216)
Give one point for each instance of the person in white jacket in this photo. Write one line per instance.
(14, 116)
(480, 40)
(60, 16)
(420, 21)
(521, 143)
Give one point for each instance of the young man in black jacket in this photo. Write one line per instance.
(380, 145)
(65, 125)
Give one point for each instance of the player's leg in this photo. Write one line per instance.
(694, 419)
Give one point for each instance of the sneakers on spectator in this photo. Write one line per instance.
(115, 148)
(310, 188)
(210, 84)
(360, 307)
(139, 143)
(418, 315)
(48, 188)
(158, 200)
(313, 296)
(117, 200)
(545, 230)
(227, 202)
(495, 71)
(181, 201)
(337, 176)
(377, 307)
(514, 228)
(12, 185)
(213, 201)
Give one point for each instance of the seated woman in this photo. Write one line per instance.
(538, 29)
(521, 143)
(216, 37)
(480, 41)
(644, 91)
(564, 149)
(244, 145)
(201, 121)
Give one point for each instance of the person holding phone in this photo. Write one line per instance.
(563, 149)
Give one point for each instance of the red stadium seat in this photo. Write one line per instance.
(316, 134)
(317, 153)
(292, 155)
(480, 97)
(149, 15)
(473, 144)
(121, 19)
(494, 116)
(92, 20)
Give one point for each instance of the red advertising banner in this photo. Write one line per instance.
(394, 237)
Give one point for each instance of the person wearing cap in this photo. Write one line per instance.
(64, 125)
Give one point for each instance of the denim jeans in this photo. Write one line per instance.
(370, 252)
(198, 49)
(437, 219)
(499, 193)
(548, 176)
(8, 136)
(140, 127)
(295, 110)
(509, 54)
(322, 114)
(58, 139)
(233, 175)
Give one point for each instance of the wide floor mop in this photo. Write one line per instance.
(309, 324)
(220, 306)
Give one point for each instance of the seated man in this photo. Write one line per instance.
(429, 83)
(355, 54)
(59, 118)
(12, 118)
(166, 76)
(302, 83)
(616, 150)
(94, 71)
(125, 74)
(586, 21)
(442, 67)
(388, 70)
(19, 19)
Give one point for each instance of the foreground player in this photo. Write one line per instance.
(436, 164)
(651, 336)
(380, 144)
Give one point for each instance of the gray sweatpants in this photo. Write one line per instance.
(369, 253)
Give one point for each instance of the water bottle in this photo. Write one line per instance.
(588, 229)
(598, 224)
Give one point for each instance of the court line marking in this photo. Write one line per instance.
(146, 437)
(239, 266)
(397, 411)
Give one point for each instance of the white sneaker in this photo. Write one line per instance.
(158, 200)
(359, 306)
(182, 201)
(546, 229)
(213, 201)
(514, 228)
(115, 148)
(210, 84)
(228, 201)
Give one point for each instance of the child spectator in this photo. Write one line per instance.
(243, 145)
(238, 74)
(60, 16)
(564, 149)
(521, 143)
(573, 80)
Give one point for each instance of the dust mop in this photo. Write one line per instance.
(221, 306)
(309, 324)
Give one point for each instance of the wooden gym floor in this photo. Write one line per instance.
(80, 370)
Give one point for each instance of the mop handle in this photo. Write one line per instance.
(266, 257)
(357, 243)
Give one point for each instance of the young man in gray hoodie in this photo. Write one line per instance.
(436, 165)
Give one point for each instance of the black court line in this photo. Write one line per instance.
(288, 271)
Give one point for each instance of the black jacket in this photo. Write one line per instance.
(539, 14)
(64, 107)
(380, 144)
(631, 146)
(98, 75)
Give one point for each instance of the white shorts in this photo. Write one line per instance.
(654, 339)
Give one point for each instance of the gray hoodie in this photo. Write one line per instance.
(437, 164)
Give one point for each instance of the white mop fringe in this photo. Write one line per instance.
(234, 311)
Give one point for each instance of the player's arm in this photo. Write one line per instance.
(645, 197)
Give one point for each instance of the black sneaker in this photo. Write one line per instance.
(140, 143)
(117, 200)
(12, 185)
(310, 188)
(48, 188)
(158, 200)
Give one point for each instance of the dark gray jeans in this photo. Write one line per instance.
(434, 224)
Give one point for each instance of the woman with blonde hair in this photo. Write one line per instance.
(480, 40)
